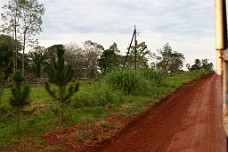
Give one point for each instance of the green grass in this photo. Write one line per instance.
(89, 104)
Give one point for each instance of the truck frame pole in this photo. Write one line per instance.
(222, 53)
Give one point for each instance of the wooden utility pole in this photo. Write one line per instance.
(128, 51)
(135, 47)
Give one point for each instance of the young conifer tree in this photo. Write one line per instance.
(60, 75)
(20, 95)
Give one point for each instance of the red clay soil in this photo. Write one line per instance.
(190, 120)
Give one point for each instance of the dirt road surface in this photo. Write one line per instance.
(190, 120)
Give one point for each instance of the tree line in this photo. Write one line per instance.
(91, 59)
(22, 21)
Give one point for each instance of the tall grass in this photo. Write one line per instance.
(128, 80)
(95, 95)
(156, 76)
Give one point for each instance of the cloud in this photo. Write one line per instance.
(187, 24)
(178, 17)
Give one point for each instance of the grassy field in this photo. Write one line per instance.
(92, 103)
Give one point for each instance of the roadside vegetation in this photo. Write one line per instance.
(108, 87)
(94, 101)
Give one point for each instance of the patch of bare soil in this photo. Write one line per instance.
(89, 136)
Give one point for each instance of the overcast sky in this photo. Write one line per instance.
(188, 25)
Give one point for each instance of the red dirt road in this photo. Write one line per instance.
(190, 120)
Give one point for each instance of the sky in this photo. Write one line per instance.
(187, 25)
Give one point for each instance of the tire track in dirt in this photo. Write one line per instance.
(189, 120)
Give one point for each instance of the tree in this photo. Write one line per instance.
(38, 59)
(206, 65)
(142, 53)
(201, 64)
(24, 20)
(92, 53)
(197, 65)
(188, 66)
(7, 45)
(11, 24)
(20, 95)
(32, 12)
(52, 51)
(75, 55)
(169, 60)
(109, 58)
(60, 75)
(51, 54)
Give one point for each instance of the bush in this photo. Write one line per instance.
(128, 80)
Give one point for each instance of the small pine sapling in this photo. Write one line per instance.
(60, 75)
(20, 96)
